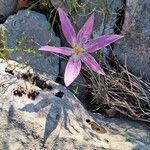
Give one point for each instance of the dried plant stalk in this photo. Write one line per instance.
(122, 92)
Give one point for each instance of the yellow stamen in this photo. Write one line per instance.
(77, 50)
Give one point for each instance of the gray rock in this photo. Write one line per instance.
(134, 50)
(30, 30)
(105, 15)
(6, 8)
(51, 120)
(136, 132)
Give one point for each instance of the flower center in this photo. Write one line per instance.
(78, 50)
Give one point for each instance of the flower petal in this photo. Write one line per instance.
(61, 50)
(85, 32)
(67, 27)
(91, 63)
(72, 70)
(101, 42)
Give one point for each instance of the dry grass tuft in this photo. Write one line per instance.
(121, 92)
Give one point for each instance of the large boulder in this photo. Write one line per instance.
(6, 8)
(26, 32)
(134, 50)
(38, 113)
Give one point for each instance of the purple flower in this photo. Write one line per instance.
(81, 45)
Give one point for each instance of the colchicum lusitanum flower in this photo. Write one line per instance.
(81, 47)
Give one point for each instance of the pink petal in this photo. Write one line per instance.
(85, 32)
(61, 50)
(72, 70)
(91, 63)
(101, 42)
(67, 27)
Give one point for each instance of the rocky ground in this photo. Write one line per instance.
(37, 113)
